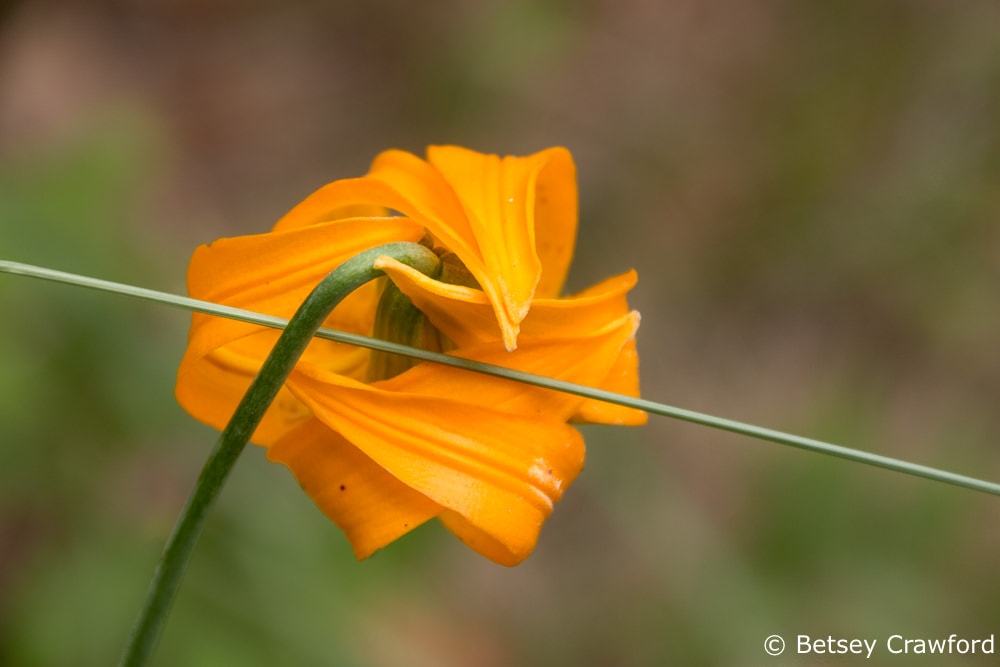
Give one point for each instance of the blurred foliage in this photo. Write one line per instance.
(808, 191)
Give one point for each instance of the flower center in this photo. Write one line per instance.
(399, 321)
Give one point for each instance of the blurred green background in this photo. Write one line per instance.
(807, 189)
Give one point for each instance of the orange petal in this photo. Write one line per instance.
(464, 315)
(477, 539)
(498, 199)
(589, 310)
(210, 388)
(623, 378)
(523, 214)
(502, 472)
(371, 506)
(273, 273)
(403, 182)
(483, 208)
(399, 181)
(586, 359)
(302, 216)
(434, 201)
(555, 220)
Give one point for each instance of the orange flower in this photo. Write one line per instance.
(488, 457)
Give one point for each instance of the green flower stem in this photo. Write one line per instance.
(758, 432)
(286, 352)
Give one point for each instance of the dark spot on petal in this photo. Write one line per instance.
(343, 488)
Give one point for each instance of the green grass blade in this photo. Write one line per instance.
(758, 432)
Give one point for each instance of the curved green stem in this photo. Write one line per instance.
(286, 352)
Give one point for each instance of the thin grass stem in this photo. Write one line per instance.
(758, 432)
